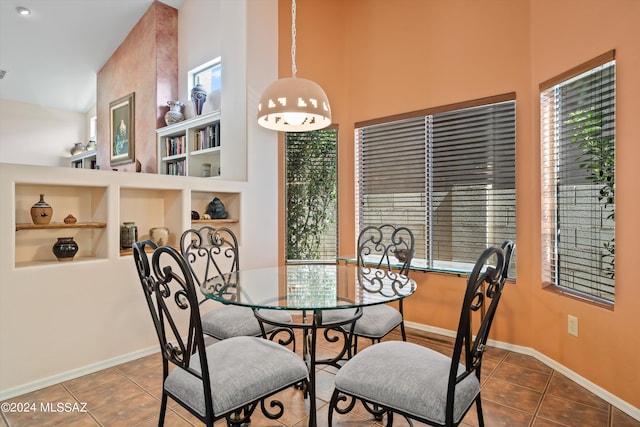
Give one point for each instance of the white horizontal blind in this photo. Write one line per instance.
(473, 181)
(449, 177)
(578, 138)
(391, 175)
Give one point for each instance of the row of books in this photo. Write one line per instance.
(175, 145)
(207, 137)
(176, 168)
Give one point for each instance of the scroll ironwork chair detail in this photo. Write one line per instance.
(420, 383)
(227, 379)
(211, 253)
(391, 249)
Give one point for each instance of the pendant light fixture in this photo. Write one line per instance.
(293, 104)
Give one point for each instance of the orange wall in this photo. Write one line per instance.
(376, 58)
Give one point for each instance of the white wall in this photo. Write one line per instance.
(35, 135)
(244, 34)
(63, 320)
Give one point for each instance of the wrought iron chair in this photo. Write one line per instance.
(423, 384)
(227, 379)
(389, 248)
(211, 252)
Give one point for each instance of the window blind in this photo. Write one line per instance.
(449, 177)
(473, 180)
(311, 195)
(578, 142)
(391, 174)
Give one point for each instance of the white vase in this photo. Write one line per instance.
(174, 115)
(159, 235)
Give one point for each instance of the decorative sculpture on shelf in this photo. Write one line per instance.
(215, 209)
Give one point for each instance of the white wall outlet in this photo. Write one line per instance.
(572, 325)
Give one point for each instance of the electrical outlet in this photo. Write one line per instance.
(572, 325)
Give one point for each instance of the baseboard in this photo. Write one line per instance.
(75, 373)
(608, 397)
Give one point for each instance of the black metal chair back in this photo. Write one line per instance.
(144, 272)
(169, 289)
(210, 252)
(508, 247)
(484, 289)
(386, 246)
(442, 389)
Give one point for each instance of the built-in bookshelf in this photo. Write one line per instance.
(84, 160)
(191, 147)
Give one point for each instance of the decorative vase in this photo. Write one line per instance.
(70, 219)
(128, 235)
(159, 235)
(65, 248)
(199, 97)
(41, 212)
(91, 145)
(77, 148)
(174, 115)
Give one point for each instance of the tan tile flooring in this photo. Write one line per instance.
(517, 390)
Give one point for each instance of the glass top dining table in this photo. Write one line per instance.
(311, 289)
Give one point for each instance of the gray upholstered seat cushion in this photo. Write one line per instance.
(242, 370)
(376, 321)
(234, 321)
(408, 377)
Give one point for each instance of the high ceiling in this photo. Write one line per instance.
(52, 56)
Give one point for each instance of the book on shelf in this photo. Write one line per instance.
(176, 168)
(207, 137)
(174, 145)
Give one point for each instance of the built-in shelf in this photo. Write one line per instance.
(191, 147)
(84, 160)
(215, 221)
(26, 226)
(103, 203)
(129, 251)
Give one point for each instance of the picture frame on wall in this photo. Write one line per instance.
(122, 125)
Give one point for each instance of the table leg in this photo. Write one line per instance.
(309, 353)
(310, 330)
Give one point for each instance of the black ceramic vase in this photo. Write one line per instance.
(65, 248)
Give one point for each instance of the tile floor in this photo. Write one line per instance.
(517, 391)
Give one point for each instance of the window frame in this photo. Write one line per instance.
(418, 264)
(551, 144)
(193, 74)
(334, 256)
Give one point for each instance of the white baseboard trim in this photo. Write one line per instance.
(608, 397)
(75, 373)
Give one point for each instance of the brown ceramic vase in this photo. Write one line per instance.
(41, 212)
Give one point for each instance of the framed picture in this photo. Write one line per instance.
(122, 113)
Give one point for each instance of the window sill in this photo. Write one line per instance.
(578, 296)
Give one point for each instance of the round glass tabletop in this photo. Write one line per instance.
(309, 287)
